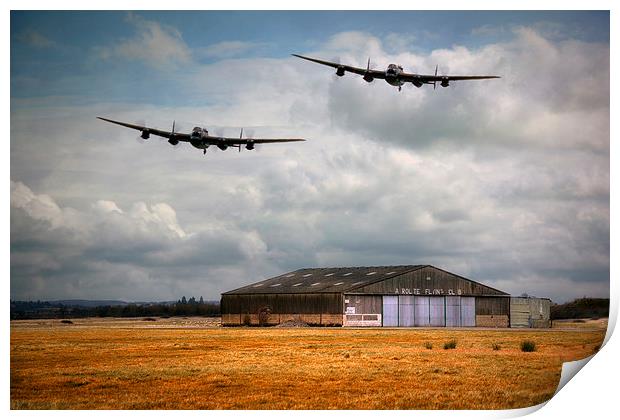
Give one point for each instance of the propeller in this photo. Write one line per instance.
(220, 132)
(139, 137)
(174, 142)
(238, 146)
(367, 76)
(250, 136)
(435, 81)
(340, 70)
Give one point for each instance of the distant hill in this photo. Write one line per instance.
(581, 308)
(88, 303)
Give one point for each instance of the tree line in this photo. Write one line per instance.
(581, 308)
(182, 307)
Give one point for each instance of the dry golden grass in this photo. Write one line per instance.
(180, 364)
(586, 323)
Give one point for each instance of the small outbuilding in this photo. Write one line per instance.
(386, 296)
(530, 312)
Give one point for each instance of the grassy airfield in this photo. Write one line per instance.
(192, 363)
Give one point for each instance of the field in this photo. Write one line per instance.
(192, 363)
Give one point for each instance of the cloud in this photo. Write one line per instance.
(228, 49)
(49, 241)
(503, 181)
(155, 44)
(546, 111)
(35, 39)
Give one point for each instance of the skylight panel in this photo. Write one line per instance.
(307, 275)
(315, 284)
(258, 285)
(371, 273)
(276, 285)
(347, 274)
(391, 272)
(328, 275)
(339, 283)
(297, 284)
(289, 275)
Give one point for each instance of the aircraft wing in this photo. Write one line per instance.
(430, 78)
(376, 74)
(231, 141)
(155, 131)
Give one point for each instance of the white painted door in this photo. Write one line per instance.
(468, 311)
(405, 311)
(453, 311)
(422, 311)
(437, 311)
(390, 311)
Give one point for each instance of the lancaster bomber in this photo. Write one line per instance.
(395, 75)
(199, 137)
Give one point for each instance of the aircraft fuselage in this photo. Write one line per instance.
(201, 139)
(392, 75)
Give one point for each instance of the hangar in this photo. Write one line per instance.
(388, 296)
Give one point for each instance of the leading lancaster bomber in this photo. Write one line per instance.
(394, 74)
(199, 137)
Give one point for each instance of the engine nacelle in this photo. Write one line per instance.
(340, 71)
(222, 146)
(417, 83)
(445, 83)
(173, 142)
(368, 78)
(250, 145)
(145, 134)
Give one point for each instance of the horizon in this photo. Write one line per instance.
(505, 182)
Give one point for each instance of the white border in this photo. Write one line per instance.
(592, 395)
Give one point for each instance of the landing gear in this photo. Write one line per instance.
(204, 151)
(400, 88)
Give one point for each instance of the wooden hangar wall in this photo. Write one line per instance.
(272, 309)
(416, 296)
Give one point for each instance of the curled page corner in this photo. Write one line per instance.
(570, 369)
(520, 412)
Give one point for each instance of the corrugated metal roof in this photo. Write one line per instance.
(325, 280)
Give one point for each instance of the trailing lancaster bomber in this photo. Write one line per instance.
(394, 74)
(199, 137)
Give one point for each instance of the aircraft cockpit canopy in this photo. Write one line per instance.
(394, 68)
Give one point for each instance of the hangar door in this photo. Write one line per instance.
(422, 311)
(390, 311)
(453, 311)
(468, 311)
(405, 311)
(437, 311)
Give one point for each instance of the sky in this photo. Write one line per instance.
(502, 181)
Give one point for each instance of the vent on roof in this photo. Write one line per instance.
(330, 274)
(307, 275)
(347, 274)
(297, 284)
(371, 273)
(275, 285)
(339, 283)
(315, 284)
(258, 285)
